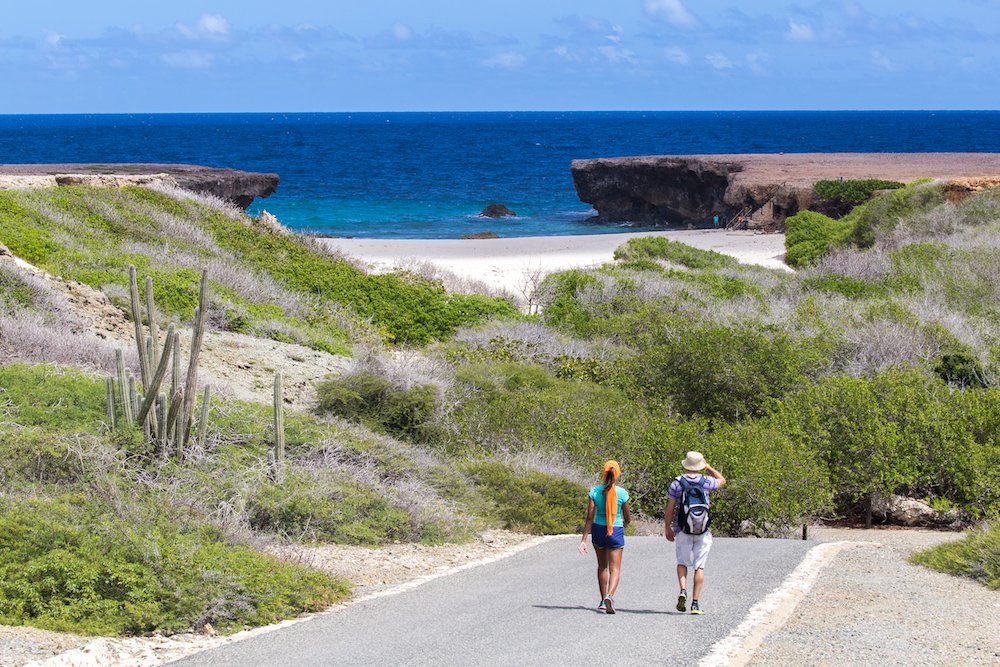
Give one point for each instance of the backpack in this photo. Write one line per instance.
(694, 517)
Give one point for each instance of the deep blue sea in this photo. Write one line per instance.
(427, 175)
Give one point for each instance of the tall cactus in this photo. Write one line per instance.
(279, 428)
(165, 418)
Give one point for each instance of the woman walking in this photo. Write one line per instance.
(608, 513)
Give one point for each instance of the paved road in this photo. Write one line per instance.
(535, 608)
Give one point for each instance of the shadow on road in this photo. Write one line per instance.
(594, 610)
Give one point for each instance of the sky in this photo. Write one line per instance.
(129, 56)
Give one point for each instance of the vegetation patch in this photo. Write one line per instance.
(811, 235)
(853, 191)
(663, 249)
(976, 556)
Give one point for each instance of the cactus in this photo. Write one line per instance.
(203, 421)
(279, 428)
(165, 418)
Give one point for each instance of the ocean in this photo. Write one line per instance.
(428, 175)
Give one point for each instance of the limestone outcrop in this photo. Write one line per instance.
(237, 187)
(761, 190)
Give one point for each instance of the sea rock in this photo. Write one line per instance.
(910, 511)
(754, 191)
(495, 210)
(237, 187)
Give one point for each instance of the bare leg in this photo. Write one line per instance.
(614, 570)
(699, 579)
(682, 573)
(602, 571)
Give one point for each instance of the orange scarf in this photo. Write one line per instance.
(611, 497)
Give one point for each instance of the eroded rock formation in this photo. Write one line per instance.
(763, 189)
(238, 187)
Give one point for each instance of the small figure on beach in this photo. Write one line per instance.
(608, 513)
(687, 522)
(715, 220)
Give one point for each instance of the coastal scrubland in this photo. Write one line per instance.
(871, 371)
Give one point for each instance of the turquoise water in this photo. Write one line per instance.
(427, 175)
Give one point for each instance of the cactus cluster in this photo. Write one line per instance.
(166, 418)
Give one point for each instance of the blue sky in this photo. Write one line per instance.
(392, 55)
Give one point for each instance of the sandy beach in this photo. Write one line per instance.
(509, 263)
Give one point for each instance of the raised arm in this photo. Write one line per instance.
(716, 474)
(588, 522)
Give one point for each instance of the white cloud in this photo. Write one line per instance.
(401, 31)
(800, 32)
(213, 24)
(54, 39)
(882, 62)
(506, 60)
(209, 25)
(719, 61)
(189, 59)
(613, 54)
(673, 11)
(677, 55)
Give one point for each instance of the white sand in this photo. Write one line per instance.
(508, 263)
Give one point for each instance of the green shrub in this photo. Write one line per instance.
(660, 248)
(72, 566)
(773, 482)
(811, 235)
(976, 556)
(725, 372)
(367, 397)
(961, 368)
(530, 501)
(347, 513)
(884, 213)
(853, 191)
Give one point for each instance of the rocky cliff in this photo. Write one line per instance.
(760, 189)
(238, 187)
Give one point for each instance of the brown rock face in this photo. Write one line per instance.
(238, 187)
(762, 189)
(497, 211)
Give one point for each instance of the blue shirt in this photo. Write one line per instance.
(597, 495)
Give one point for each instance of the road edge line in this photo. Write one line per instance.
(771, 613)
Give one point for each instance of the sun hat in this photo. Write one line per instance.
(694, 462)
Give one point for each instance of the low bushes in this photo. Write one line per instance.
(977, 556)
(811, 235)
(369, 398)
(73, 565)
(659, 248)
(529, 501)
(853, 191)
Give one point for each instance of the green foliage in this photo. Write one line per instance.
(364, 396)
(345, 512)
(885, 212)
(961, 368)
(853, 191)
(811, 235)
(852, 288)
(774, 482)
(976, 556)
(563, 309)
(52, 398)
(71, 565)
(725, 372)
(530, 501)
(659, 248)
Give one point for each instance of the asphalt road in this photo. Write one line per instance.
(537, 607)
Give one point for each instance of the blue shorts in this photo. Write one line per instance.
(600, 539)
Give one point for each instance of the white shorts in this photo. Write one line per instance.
(692, 550)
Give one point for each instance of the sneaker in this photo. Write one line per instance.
(682, 601)
(609, 605)
(695, 609)
(600, 606)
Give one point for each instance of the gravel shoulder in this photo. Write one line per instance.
(870, 606)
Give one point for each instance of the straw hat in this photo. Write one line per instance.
(694, 462)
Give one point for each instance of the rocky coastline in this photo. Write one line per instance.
(761, 190)
(237, 187)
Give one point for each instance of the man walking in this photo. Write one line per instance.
(687, 523)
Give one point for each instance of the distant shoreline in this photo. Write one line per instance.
(506, 263)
